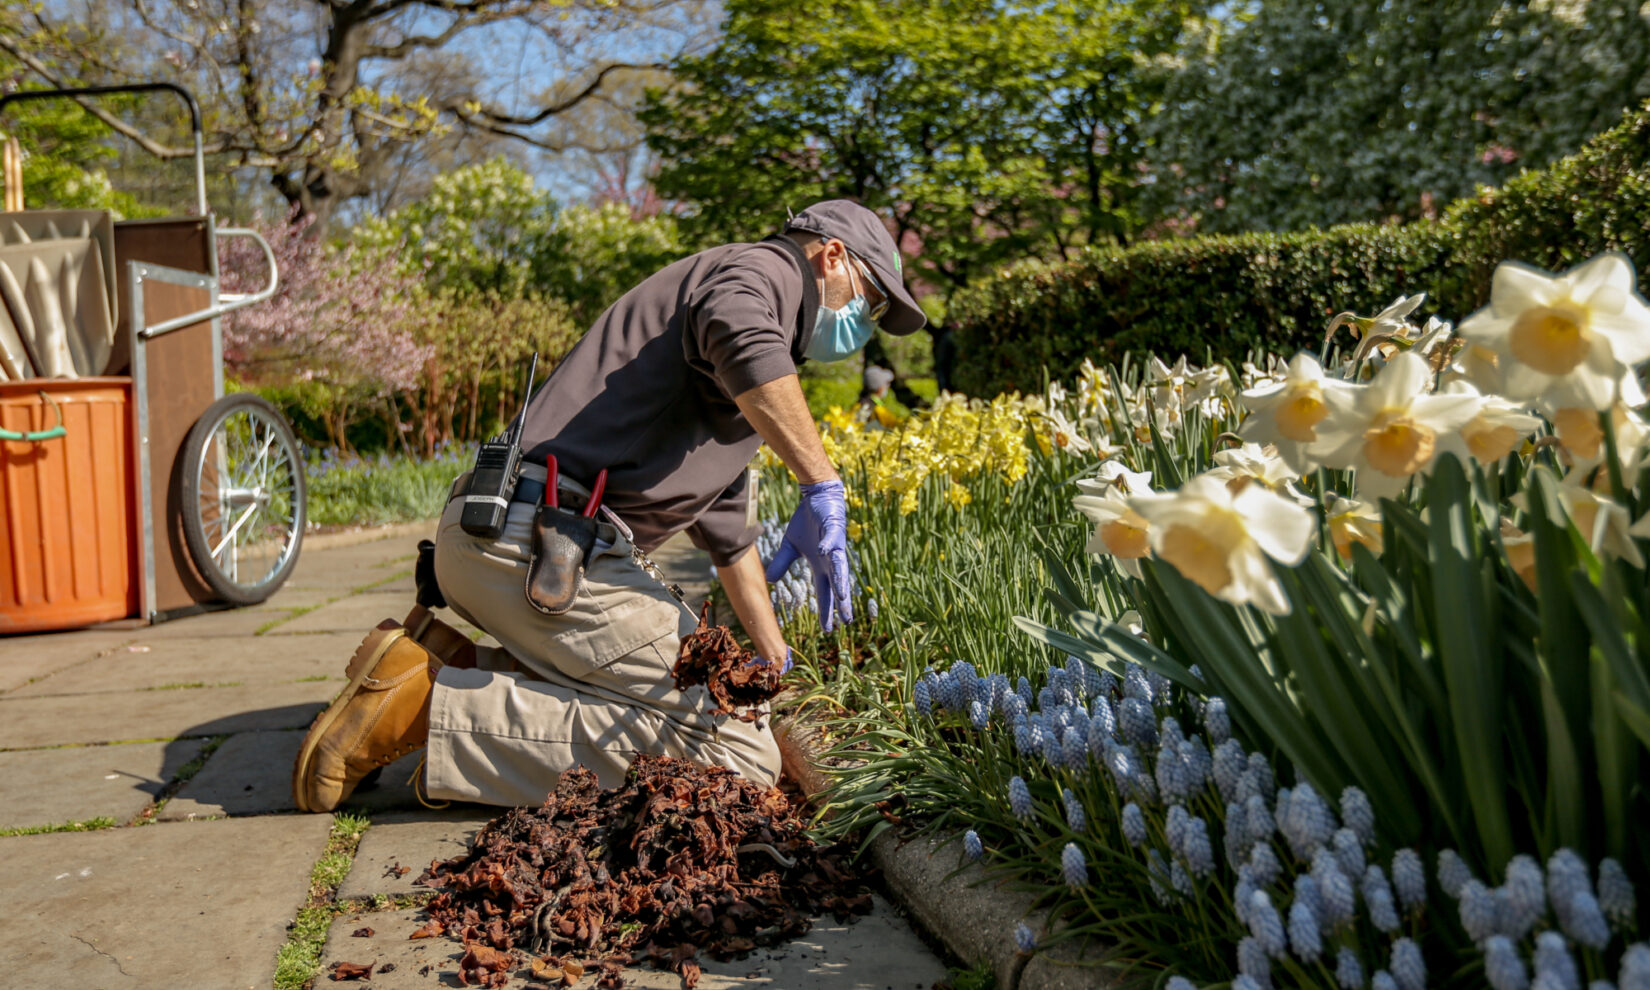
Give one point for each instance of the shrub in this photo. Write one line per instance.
(1226, 295)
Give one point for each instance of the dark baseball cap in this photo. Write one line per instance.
(863, 233)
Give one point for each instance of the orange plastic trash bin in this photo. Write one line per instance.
(67, 518)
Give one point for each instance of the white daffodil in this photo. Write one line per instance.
(1064, 435)
(1115, 474)
(1214, 380)
(1602, 521)
(1389, 430)
(1255, 376)
(1287, 413)
(1564, 339)
(1351, 521)
(1221, 541)
(1168, 384)
(1146, 409)
(1520, 547)
(1254, 464)
(1395, 318)
(1476, 364)
(1500, 427)
(1119, 531)
(1582, 436)
(1131, 621)
(1056, 394)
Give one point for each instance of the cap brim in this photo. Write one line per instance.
(904, 315)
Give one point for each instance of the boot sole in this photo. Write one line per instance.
(361, 666)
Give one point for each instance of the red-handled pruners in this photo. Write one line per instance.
(551, 498)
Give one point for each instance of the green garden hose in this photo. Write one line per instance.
(37, 436)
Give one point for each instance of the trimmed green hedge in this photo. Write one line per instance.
(1230, 294)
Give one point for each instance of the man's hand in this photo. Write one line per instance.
(790, 661)
(818, 533)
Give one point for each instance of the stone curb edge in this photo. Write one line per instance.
(968, 912)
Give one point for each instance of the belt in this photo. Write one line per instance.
(530, 491)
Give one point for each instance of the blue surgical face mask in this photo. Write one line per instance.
(839, 333)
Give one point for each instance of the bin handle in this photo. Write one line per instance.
(39, 435)
(228, 302)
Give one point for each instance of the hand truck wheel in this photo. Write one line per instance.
(242, 494)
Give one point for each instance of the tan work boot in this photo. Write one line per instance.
(380, 717)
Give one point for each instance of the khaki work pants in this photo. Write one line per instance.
(594, 688)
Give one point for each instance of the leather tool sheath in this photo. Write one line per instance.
(562, 542)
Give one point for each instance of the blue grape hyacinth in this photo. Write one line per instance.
(1554, 964)
(1358, 814)
(1452, 872)
(1525, 897)
(1216, 721)
(1478, 911)
(1073, 867)
(1019, 798)
(1304, 937)
(1502, 965)
(1409, 879)
(1616, 895)
(1024, 939)
(1075, 818)
(1253, 963)
(1409, 970)
(1265, 925)
(973, 848)
(1383, 913)
(1349, 969)
(1134, 824)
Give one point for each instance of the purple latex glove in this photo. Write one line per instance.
(818, 532)
(790, 661)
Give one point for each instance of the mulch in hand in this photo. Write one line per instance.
(681, 859)
(738, 679)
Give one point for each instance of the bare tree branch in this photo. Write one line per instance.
(493, 118)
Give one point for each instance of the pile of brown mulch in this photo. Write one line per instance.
(736, 678)
(680, 859)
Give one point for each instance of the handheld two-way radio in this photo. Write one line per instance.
(488, 498)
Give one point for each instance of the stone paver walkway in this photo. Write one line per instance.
(159, 760)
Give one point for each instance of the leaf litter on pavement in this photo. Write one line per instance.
(679, 860)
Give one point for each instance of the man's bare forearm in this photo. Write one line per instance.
(747, 590)
(780, 414)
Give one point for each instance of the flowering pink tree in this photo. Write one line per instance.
(344, 320)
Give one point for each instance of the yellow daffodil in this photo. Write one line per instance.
(1221, 541)
(1565, 339)
(1390, 430)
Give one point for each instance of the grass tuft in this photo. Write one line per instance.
(299, 960)
(89, 825)
(191, 685)
(185, 774)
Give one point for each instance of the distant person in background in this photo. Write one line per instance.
(873, 396)
(876, 355)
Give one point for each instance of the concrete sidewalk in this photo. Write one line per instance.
(149, 833)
